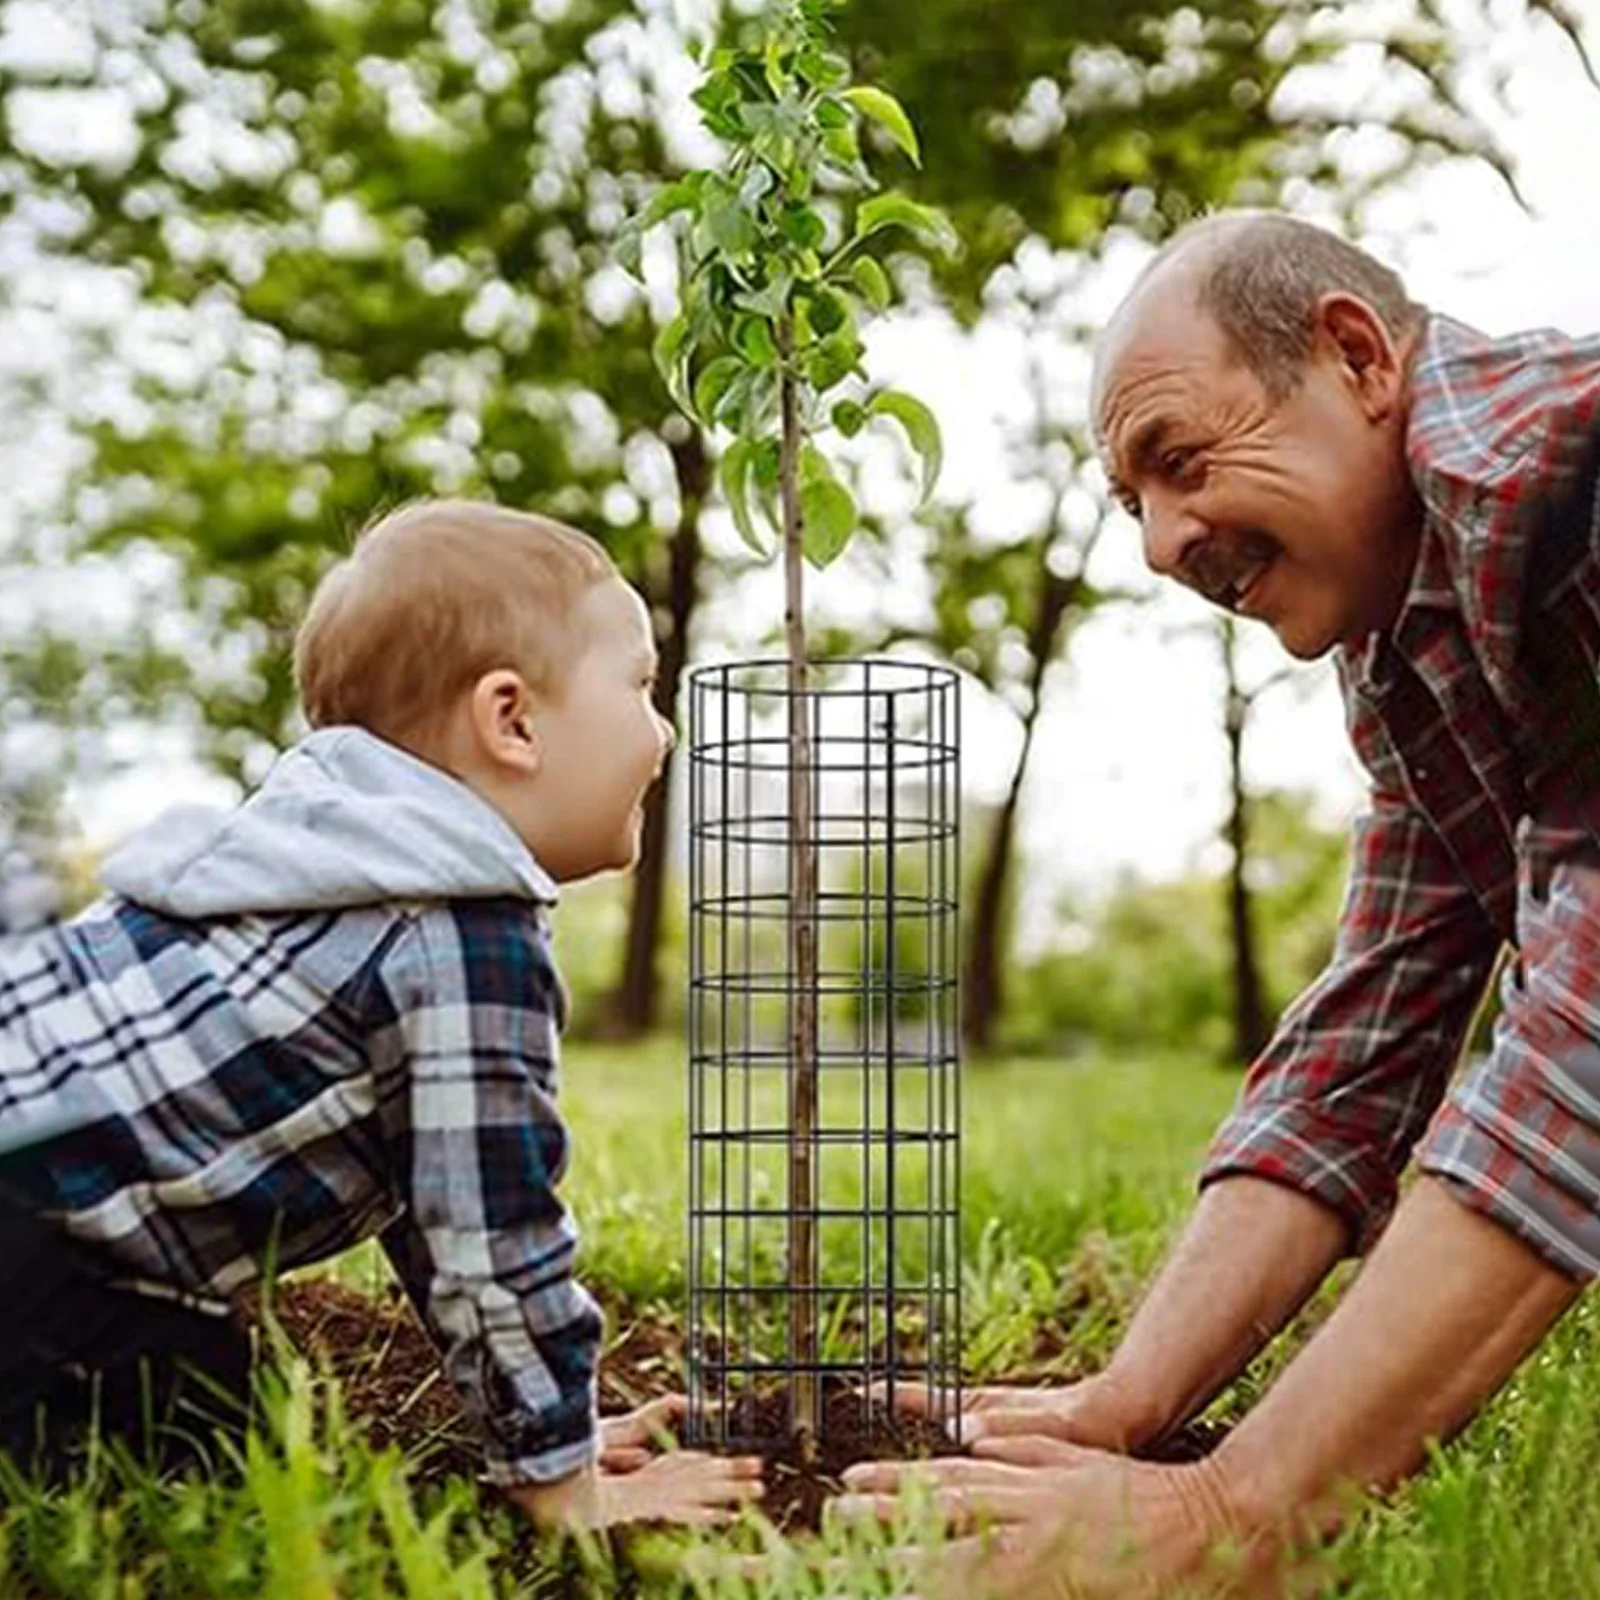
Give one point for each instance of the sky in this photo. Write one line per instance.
(1128, 768)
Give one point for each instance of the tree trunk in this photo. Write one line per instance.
(983, 985)
(1249, 1008)
(807, 1413)
(637, 999)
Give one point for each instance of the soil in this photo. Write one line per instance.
(396, 1394)
(803, 1475)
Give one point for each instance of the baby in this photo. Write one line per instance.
(334, 1012)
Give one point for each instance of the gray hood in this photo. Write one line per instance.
(343, 819)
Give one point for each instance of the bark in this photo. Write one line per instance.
(1250, 1027)
(983, 984)
(636, 1005)
(807, 1412)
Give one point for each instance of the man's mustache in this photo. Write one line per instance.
(1220, 568)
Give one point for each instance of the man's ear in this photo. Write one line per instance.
(503, 721)
(1352, 333)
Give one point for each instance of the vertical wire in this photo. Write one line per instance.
(934, 1144)
(864, 1051)
(696, 966)
(814, 703)
(793, 708)
(723, 899)
(747, 886)
(891, 962)
(952, 794)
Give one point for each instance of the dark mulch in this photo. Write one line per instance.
(803, 1474)
(396, 1394)
(395, 1391)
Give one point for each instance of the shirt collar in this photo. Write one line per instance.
(1440, 445)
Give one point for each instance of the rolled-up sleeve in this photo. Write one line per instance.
(483, 1243)
(1519, 1137)
(1336, 1102)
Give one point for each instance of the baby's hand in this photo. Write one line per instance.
(627, 1443)
(685, 1486)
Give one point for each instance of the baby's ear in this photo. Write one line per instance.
(504, 722)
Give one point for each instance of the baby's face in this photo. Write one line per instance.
(602, 742)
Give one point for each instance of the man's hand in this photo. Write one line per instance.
(1050, 1520)
(1093, 1412)
(628, 1442)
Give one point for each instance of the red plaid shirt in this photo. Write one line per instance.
(1477, 717)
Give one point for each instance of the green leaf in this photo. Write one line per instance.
(712, 384)
(896, 211)
(777, 78)
(820, 69)
(828, 311)
(802, 226)
(679, 196)
(836, 357)
(764, 469)
(872, 283)
(757, 184)
(922, 429)
(753, 338)
(734, 475)
(828, 512)
(889, 114)
(730, 228)
(668, 351)
(849, 417)
(771, 300)
(842, 145)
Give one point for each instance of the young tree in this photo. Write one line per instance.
(775, 268)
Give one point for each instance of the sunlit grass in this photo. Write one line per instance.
(1075, 1178)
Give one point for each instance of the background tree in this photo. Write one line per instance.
(371, 243)
(1003, 612)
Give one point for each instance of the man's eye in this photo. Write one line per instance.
(1178, 464)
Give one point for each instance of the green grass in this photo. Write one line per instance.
(1075, 1178)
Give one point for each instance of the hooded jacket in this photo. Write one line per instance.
(328, 1013)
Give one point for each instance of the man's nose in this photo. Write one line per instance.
(669, 736)
(1170, 532)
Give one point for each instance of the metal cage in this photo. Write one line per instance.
(879, 1214)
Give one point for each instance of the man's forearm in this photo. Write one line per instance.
(1252, 1253)
(1440, 1316)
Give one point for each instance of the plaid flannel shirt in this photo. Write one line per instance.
(1477, 717)
(192, 1100)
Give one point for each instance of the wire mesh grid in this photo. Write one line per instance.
(876, 1218)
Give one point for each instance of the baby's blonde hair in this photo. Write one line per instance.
(432, 597)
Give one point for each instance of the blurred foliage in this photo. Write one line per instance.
(1149, 967)
(381, 235)
(370, 247)
(1059, 122)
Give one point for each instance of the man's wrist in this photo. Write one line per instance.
(1117, 1407)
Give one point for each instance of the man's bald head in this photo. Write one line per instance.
(1260, 276)
(1250, 402)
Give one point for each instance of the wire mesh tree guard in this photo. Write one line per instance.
(823, 1214)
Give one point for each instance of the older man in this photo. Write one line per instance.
(1305, 446)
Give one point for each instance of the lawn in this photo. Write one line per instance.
(1074, 1178)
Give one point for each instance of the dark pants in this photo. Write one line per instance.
(77, 1354)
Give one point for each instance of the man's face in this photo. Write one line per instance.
(1294, 511)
